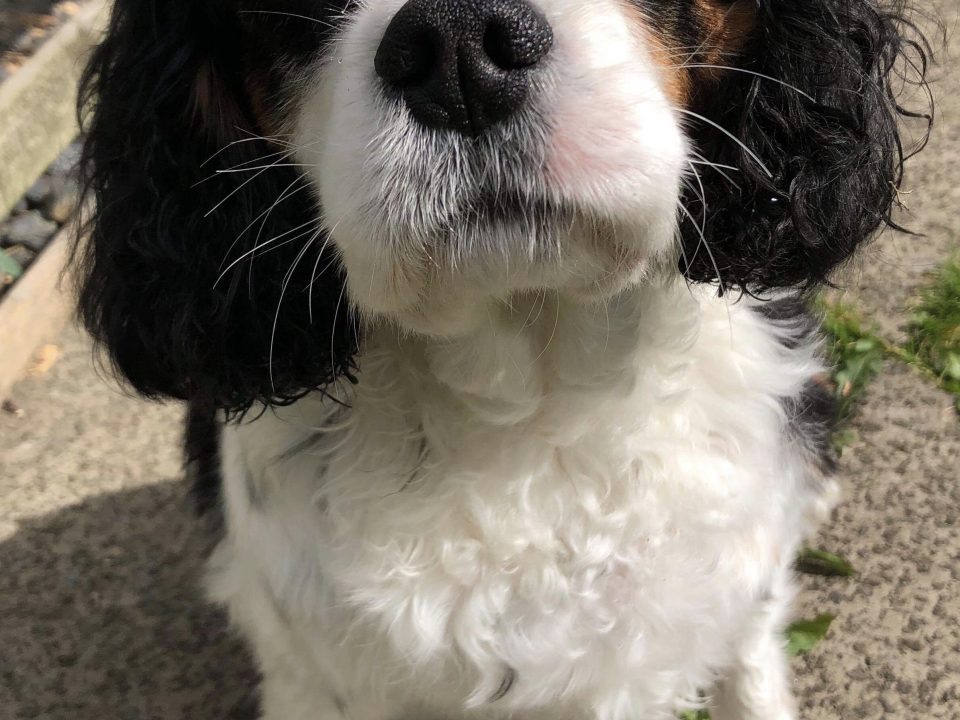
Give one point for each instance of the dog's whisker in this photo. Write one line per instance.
(719, 168)
(234, 192)
(703, 197)
(284, 195)
(703, 241)
(750, 72)
(283, 290)
(318, 21)
(750, 153)
(267, 243)
(227, 147)
(230, 171)
(313, 274)
(282, 154)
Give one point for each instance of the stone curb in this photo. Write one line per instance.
(37, 103)
(35, 309)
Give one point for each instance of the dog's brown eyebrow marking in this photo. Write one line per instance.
(696, 35)
(725, 28)
(663, 47)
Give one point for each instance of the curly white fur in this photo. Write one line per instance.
(590, 512)
(566, 484)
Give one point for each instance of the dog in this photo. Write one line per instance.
(491, 317)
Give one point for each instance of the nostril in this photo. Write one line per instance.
(517, 40)
(496, 46)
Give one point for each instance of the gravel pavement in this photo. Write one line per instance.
(101, 616)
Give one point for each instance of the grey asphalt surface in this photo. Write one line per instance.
(102, 616)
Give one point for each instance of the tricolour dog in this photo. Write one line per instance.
(490, 317)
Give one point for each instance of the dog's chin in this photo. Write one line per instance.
(446, 283)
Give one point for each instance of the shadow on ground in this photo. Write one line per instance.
(103, 617)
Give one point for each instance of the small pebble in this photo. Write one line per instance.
(21, 254)
(67, 161)
(38, 193)
(26, 44)
(912, 643)
(9, 406)
(30, 229)
(62, 201)
(20, 208)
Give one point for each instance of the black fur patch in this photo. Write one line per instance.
(813, 419)
(821, 158)
(172, 108)
(813, 414)
(202, 451)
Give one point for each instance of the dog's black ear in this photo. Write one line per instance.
(811, 140)
(183, 187)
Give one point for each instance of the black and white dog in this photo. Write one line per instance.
(489, 314)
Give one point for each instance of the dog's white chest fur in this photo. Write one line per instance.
(571, 509)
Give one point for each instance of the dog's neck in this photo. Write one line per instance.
(538, 354)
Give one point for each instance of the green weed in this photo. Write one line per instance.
(856, 355)
(935, 327)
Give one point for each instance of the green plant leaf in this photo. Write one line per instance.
(821, 562)
(803, 635)
(9, 266)
(934, 332)
(855, 352)
(951, 368)
(843, 438)
(695, 715)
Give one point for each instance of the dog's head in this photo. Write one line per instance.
(271, 175)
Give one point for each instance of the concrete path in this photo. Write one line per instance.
(101, 616)
(101, 612)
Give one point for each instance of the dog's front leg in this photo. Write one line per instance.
(757, 686)
(291, 694)
(301, 681)
(294, 696)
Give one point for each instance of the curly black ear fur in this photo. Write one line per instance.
(166, 107)
(824, 124)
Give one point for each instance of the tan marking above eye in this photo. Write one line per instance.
(676, 81)
(722, 28)
(726, 27)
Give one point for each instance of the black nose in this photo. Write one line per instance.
(463, 64)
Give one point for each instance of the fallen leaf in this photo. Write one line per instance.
(10, 269)
(9, 406)
(803, 635)
(821, 562)
(45, 359)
